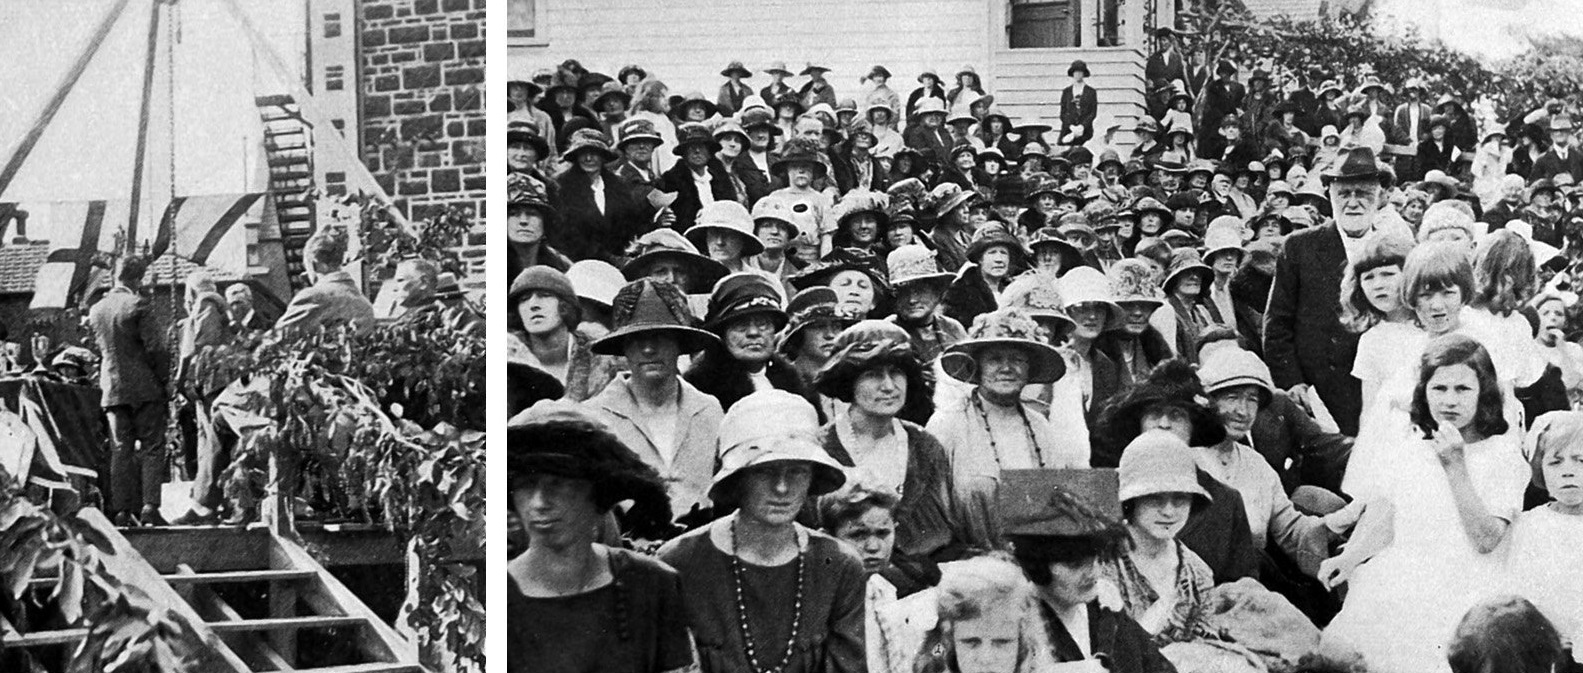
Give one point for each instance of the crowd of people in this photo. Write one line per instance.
(141, 370)
(900, 384)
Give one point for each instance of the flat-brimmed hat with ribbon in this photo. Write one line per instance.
(1231, 367)
(1172, 383)
(812, 68)
(766, 428)
(1003, 328)
(1084, 286)
(566, 439)
(844, 259)
(866, 345)
(1356, 164)
(992, 235)
(596, 281)
(691, 134)
(1051, 237)
(645, 306)
(1186, 262)
(668, 244)
(1158, 462)
(742, 294)
(1224, 234)
(810, 307)
(1038, 294)
(915, 264)
(637, 130)
(1132, 282)
(725, 217)
(737, 68)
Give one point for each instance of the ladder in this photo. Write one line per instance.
(288, 146)
(199, 572)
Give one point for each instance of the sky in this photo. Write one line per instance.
(1492, 29)
(87, 151)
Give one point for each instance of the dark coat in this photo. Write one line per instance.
(679, 180)
(135, 359)
(879, 178)
(1220, 533)
(1551, 164)
(1402, 122)
(640, 182)
(919, 94)
(754, 181)
(1129, 648)
(1283, 432)
(1304, 340)
(933, 144)
(1079, 110)
(730, 99)
(1216, 147)
(814, 93)
(332, 299)
(1107, 383)
(1435, 157)
(771, 92)
(968, 297)
(716, 373)
(840, 170)
(583, 232)
(1499, 214)
(1156, 349)
(1220, 99)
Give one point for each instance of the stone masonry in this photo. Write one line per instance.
(423, 106)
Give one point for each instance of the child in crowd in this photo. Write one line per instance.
(1545, 540)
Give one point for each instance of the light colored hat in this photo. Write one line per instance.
(773, 426)
(1087, 285)
(929, 105)
(1039, 295)
(1279, 187)
(1232, 367)
(725, 216)
(1159, 462)
(1298, 216)
(1006, 327)
(1442, 216)
(596, 281)
(1132, 281)
(915, 263)
(1224, 233)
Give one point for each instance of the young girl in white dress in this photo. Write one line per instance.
(1372, 307)
(1426, 548)
(1542, 563)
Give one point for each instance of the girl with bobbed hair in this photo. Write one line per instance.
(1441, 493)
(1371, 305)
(988, 621)
(1505, 278)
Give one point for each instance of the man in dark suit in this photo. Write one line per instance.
(334, 298)
(244, 316)
(1079, 107)
(699, 174)
(1305, 343)
(132, 379)
(1562, 157)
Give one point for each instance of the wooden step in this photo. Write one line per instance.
(289, 176)
(42, 638)
(366, 668)
(239, 576)
(284, 623)
(273, 100)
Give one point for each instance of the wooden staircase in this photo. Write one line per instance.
(251, 595)
(288, 144)
(1027, 84)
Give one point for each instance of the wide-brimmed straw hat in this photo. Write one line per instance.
(725, 216)
(1006, 328)
(769, 427)
(645, 306)
(1158, 462)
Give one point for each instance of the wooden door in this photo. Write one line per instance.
(1041, 24)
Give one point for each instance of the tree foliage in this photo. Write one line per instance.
(1552, 67)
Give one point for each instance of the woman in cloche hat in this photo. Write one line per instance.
(761, 591)
(575, 604)
(542, 324)
(816, 318)
(991, 428)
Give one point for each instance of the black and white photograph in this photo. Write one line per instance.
(1042, 336)
(242, 382)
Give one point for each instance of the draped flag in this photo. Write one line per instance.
(201, 229)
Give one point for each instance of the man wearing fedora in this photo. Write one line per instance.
(667, 422)
(1079, 106)
(1305, 343)
(599, 212)
(699, 179)
(1562, 157)
(733, 92)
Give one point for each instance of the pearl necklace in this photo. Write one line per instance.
(1027, 427)
(742, 610)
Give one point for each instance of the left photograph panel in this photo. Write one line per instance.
(241, 335)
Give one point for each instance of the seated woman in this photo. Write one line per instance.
(1138, 345)
(1440, 504)
(987, 620)
(861, 285)
(543, 332)
(1061, 538)
(859, 218)
(878, 374)
(575, 604)
(815, 319)
(1162, 582)
(994, 258)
